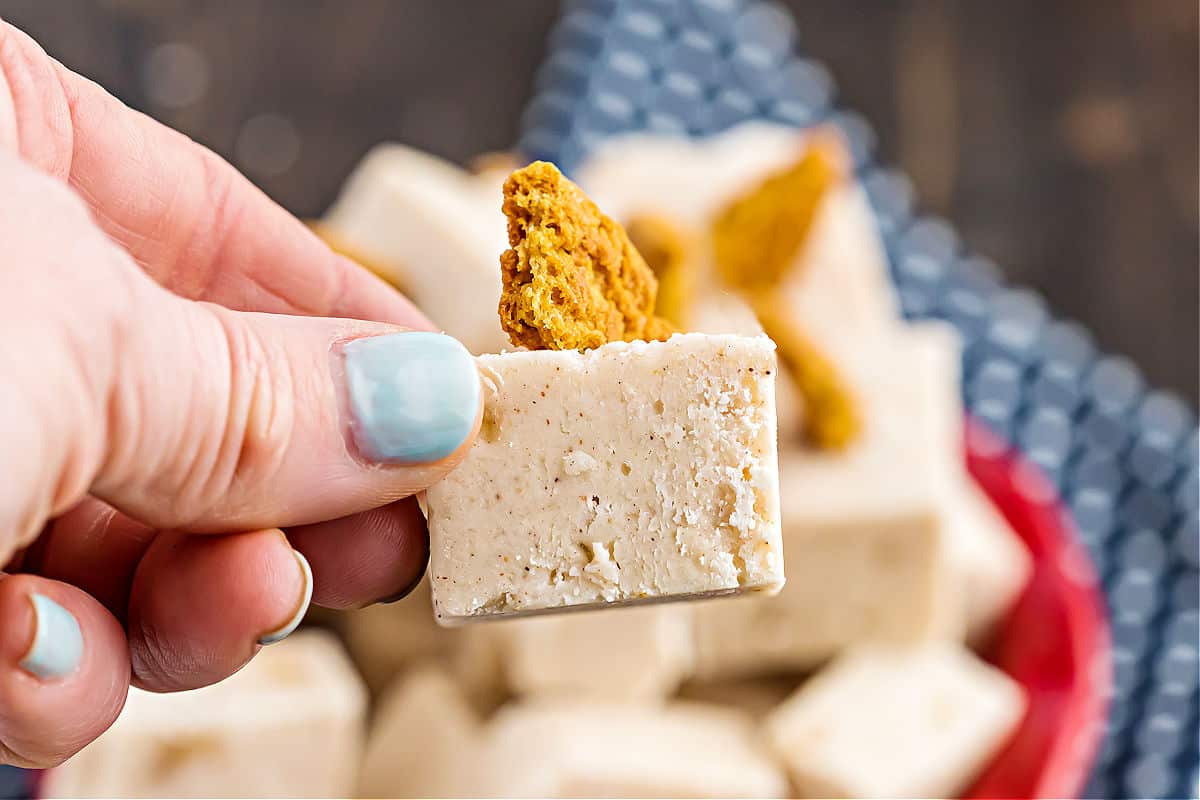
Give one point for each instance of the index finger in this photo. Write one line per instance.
(192, 222)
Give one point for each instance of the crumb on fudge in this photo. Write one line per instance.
(572, 280)
(669, 251)
(832, 420)
(757, 236)
(756, 241)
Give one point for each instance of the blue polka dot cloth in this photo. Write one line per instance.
(1122, 455)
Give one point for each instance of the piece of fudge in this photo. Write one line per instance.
(633, 471)
(639, 654)
(865, 529)
(424, 741)
(611, 750)
(289, 724)
(385, 639)
(433, 229)
(993, 563)
(895, 722)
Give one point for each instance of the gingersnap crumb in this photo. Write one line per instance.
(831, 415)
(572, 280)
(757, 237)
(670, 252)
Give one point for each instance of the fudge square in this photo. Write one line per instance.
(288, 724)
(632, 471)
(895, 722)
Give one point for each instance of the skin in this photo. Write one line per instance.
(171, 418)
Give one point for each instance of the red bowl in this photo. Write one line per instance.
(1055, 640)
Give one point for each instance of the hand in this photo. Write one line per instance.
(184, 372)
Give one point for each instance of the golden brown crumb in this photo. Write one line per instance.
(340, 246)
(831, 416)
(494, 161)
(757, 237)
(670, 253)
(832, 419)
(572, 280)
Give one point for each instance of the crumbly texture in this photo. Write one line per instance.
(572, 280)
(636, 471)
(832, 420)
(671, 253)
(758, 236)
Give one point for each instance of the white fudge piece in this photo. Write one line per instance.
(839, 284)
(715, 311)
(895, 722)
(865, 530)
(637, 654)
(635, 471)
(424, 741)
(886, 580)
(385, 639)
(289, 724)
(605, 750)
(436, 233)
(993, 563)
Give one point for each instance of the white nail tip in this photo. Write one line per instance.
(284, 631)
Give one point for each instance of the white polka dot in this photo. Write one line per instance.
(175, 75)
(267, 145)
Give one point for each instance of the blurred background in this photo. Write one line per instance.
(1059, 136)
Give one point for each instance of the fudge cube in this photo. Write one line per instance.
(865, 529)
(884, 579)
(289, 724)
(992, 562)
(384, 639)
(585, 749)
(424, 741)
(634, 471)
(435, 231)
(639, 654)
(895, 722)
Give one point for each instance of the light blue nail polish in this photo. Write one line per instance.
(414, 396)
(286, 630)
(57, 641)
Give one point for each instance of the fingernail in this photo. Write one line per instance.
(57, 645)
(407, 590)
(285, 630)
(414, 396)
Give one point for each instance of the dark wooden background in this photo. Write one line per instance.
(1060, 136)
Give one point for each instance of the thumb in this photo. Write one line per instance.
(225, 421)
(187, 415)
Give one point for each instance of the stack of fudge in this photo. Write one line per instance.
(857, 678)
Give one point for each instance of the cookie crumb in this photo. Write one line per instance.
(757, 237)
(572, 280)
(831, 416)
(670, 251)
